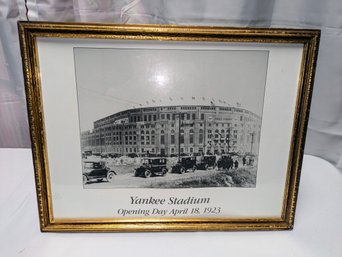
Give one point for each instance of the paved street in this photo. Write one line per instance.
(128, 180)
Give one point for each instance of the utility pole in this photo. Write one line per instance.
(204, 137)
(252, 141)
(210, 119)
(228, 141)
(179, 134)
(180, 117)
(100, 140)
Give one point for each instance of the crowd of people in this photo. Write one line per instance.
(229, 162)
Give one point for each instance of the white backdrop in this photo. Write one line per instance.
(325, 126)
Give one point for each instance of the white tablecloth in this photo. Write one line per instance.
(317, 232)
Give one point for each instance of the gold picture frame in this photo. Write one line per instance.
(59, 59)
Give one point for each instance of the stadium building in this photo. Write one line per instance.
(170, 130)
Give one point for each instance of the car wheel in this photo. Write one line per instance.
(164, 171)
(85, 179)
(194, 168)
(148, 173)
(136, 173)
(182, 170)
(206, 166)
(110, 176)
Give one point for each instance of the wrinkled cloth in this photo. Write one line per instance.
(324, 136)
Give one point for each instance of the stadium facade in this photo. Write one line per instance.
(169, 130)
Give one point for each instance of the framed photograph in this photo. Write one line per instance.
(167, 128)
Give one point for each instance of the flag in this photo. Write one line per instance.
(212, 103)
(170, 98)
(238, 104)
(153, 101)
(193, 98)
(203, 98)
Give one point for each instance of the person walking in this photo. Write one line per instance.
(236, 164)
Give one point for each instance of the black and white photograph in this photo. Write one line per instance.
(170, 118)
(167, 128)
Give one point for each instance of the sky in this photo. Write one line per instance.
(112, 80)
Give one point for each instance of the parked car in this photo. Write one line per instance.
(206, 162)
(114, 155)
(85, 154)
(132, 155)
(185, 163)
(104, 155)
(155, 166)
(88, 153)
(97, 170)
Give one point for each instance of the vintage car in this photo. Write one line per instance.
(155, 166)
(86, 154)
(97, 170)
(225, 162)
(206, 162)
(185, 163)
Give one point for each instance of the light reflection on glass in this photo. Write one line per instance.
(160, 78)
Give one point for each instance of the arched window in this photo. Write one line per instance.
(191, 136)
(181, 139)
(217, 133)
(200, 138)
(172, 137)
(162, 137)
